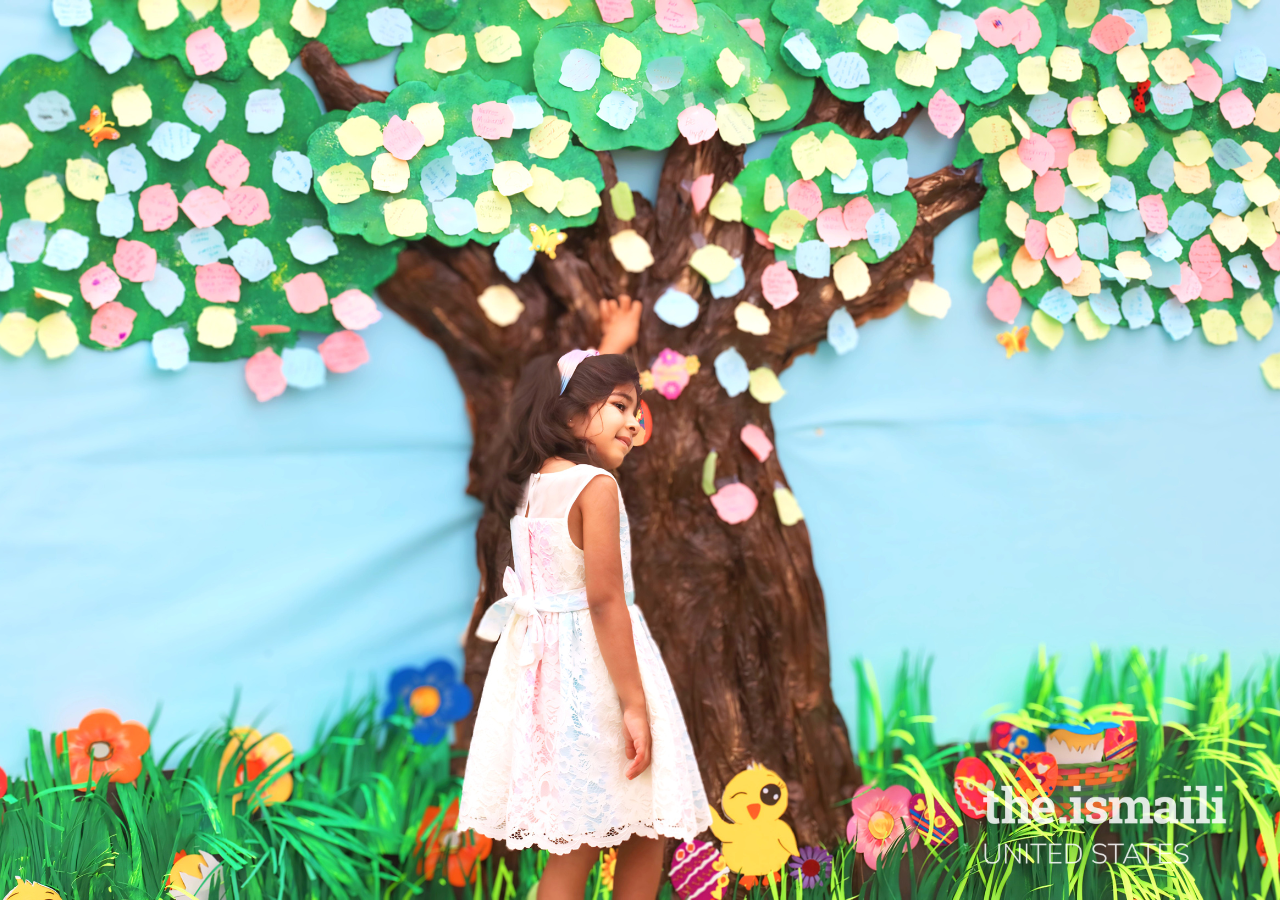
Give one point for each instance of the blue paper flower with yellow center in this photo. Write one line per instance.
(432, 696)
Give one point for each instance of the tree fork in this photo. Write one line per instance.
(737, 610)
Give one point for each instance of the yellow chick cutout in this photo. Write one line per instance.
(754, 840)
(29, 890)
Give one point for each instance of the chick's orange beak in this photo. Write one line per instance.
(753, 809)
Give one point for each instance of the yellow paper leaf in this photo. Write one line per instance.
(1215, 12)
(1065, 64)
(86, 179)
(915, 68)
(764, 385)
(44, 199)
(1114, 104)
(837, 12)
(1015, 174)
(774, 196)
(806, 153)
(1259, 156)
(1132, 63)
(751, 319)
(620, 56)
(712, 262)
(787, 229)
(731, 68)
(306, 19)
(1088, 282)
(343, 183)
(735, 124)
(500, 305)
(789, 512)
(1255, 313)
(1218, 326)
(547, 189)
(426, 118)
(493, 212)
(1132, 264)
(1095, 191)
(1015, 217)
(156, 14)
(1261, 191)
(1159, 29)
(510, 177)
(1081, 13)
(55, 296)
(769, 102)
(838, 155)
(57, 335)
(1125, 144)
(580, 197)
(1262, 231)
(499, 43)
(131, 106)
(986, 260)
(1271, 370)
(632, 250)
(944, 48)
(445, 53)
(1047, 329)
(878, 34)
(1192, 148)
(240, 14)
(549, 9)
(14, 144)
(991, 134)
(726, 205)
(1192, 179)
(1083, 168)
(268, 54)
(1019, 124)
(1229, 231)
(1087, 118)
(17, 333)
(851, 275)
(1267, 114)
(549, 139)
(199, 8)
(405, 217)
(1091, 327)
(216, 327)
(359, 136)
(1027, 271)
(1033, 75)
(389, 174)
(929, 299)
(1173, 66)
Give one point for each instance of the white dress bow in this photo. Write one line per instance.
(520, 603)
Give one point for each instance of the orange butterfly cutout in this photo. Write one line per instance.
(99, 127)
(1014, 341)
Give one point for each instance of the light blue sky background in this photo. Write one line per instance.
(166, 539)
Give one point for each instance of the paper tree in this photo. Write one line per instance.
(1096, 213)
(146, 206)
(713, 337)
(472, 160)
(689, 70)
(222, 40)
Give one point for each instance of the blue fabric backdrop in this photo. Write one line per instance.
(164, 539)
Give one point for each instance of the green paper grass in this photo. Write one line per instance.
(456, 96)
(262, 303)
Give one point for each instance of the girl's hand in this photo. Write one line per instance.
(619, 324)
(635, 727)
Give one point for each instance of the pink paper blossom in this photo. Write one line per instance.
(877, 820)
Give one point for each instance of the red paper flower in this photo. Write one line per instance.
(103, 744)
(463, 851)
(1261, 845)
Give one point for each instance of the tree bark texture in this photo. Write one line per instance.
(736, 609)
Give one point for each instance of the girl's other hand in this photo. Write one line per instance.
(635, 727)
(619, 324)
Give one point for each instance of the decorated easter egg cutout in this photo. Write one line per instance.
(1043, 769)
(1014, 741)
(1077, 743)
(974, 786)
(645, 418)
(1122, 742)
(939, 831)
(698, 871)
(670, 374)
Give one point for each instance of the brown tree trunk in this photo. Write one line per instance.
(736, 609)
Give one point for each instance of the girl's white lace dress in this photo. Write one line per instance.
(548, 753)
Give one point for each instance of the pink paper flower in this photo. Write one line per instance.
(877, 820)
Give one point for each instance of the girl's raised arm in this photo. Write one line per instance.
(609, 615)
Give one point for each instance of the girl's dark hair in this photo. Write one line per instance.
(537, 421)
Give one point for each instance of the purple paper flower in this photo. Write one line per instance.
(811, 867)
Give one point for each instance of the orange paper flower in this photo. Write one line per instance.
(252, 755)
(103, 744)
(463, 851)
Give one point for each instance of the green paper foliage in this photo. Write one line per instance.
(345, 31)
(882, 69)
(797, 86)
(456, 96)
(469, 17)
(655, 126)
(1209, 120)
(751, 185)
(84, 84)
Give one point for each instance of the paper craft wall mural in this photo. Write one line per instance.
(193, 195)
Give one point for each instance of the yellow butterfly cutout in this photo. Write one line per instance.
(99, 127)
(546, 239)
(1013, 341)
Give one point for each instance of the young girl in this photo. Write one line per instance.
(579, 743)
